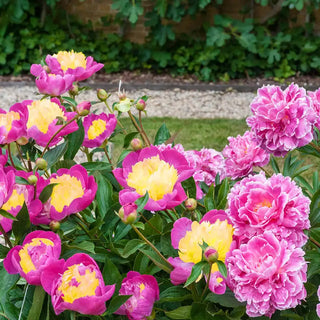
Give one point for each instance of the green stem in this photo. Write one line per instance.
(315, 242)
(6, 238)
(142, 130)
(10, 156)
(107, 155)
(150, 224)
(145, 139)
(170, 215)
(266, 172)
(207, 284)
(21, 157)
(23, 301)
(152, 246)
(315, 146)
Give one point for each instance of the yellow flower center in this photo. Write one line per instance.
(42, 113)
(96, 128)
(265, 203)
(67, 189)
(71, 59)
(217, 235)
(75, 286)
(6, 119)
(153, 175)
(142, 287)
(16, 199)
(25, 259)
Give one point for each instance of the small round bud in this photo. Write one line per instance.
(190, 204)
(128, 213)
(54, 225)
(141, 105)
(136, 144)
(102, 94)
(22, 141)
(211, 255)
(46, 69)
(74, 90)
(41, 164)
(83, 108)
(33, 179)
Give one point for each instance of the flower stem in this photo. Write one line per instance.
(107, 155)
(266, 172)
(142, 130)
(10, 156)
(315, 146)
(6, 238)
(21, 157)
(144, 138)
(315, 242)
(207, 284)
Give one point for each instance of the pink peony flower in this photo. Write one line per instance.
(13, 123)
(76, 284)
(242, 154)
(75, 191)
(73, 63)
(157, 172)
(144, 290)
(39, 249)
(282, 120)
(98, 128)
(268, 274)
(43, 117)
(257, 204)
(318, 305)
(315, 98)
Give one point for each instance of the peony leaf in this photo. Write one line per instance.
(180, 313)
(196, 272)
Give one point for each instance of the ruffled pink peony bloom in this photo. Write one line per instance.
(43, 117)
(39, 249)
(51, 84)
(13, 123)
(73, 63)
(257, 204)
(98, 128)
(75, 191)
(318, 305)
(159, 173)
(268, 274)
(144, 290)
(76, 284)
(315, 98)
(282, 120)
(242, 154)
(186, 236)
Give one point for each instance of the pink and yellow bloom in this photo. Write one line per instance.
(216, 231)
(13, 123)
(76, 284)
(159, 173)
(98, 128)
(268, 274)
(242, 154)
(42, 122)
(257, 204)
(282, 120)
(74, 191)
(144, 290)
(39, 249)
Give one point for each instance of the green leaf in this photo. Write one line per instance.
(315, 209)
(198, 311)
(196, 272)
(75, 140)
(20, 180)
(174, 293)
(226, 300)
(116, 302)
(156, 259)
(274, 165)
(131, 247)
(216, 37)
(54, 154)
(22, 226)
(141, 202)
(46, 192)
(209, 199)
(128, 138)
(135, 12)
(70, 101)
(110, 273)
(87, 246)
(7, 215)
(96, 166)
(37, 302)
(189, 186)
(222, 268)
(162, 135)
(180, 313)
(3, 251)
(104, 194)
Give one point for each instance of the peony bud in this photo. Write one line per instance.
(128, 213)
(83, 108)
(22, 141)
(136, 144)
(190, 204)
(74, 90)
(211, 254)
(141, 105)
(33, 179)
(102, 94)
(41, 164)
(54, 225)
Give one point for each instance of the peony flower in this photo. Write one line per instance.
(242, 154)
(73, 63)
(144, 290)
(318, 305)
(13, 123)
(98, 128)
(39, 249)
(43, 117)
(257, 204)
(315, 98)
(187, 236)
(74, 191)
(268, 274)
(76, 284)
(157, 172)
(282, 120)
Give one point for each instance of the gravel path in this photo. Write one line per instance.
(176, 102)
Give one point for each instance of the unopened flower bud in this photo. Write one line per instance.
(46, 69)
(141, 105)
(74, 90)
(136, 144)
(54, 225)
(128, 213)
(22, 141)
(211, 255)
(41, 164)
(83, 108)
(190, 204)
(102, 94)
(32, 179)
